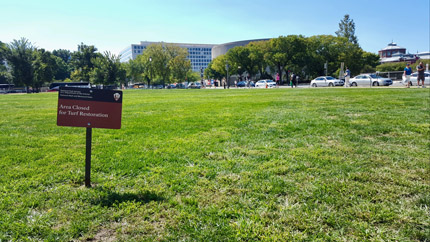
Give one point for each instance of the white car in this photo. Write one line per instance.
(265, 84)
(370, 80)
(326, 81)
(414, 77)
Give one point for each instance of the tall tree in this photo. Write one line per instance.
(2, 52)
(107, 70)
(65, 55)
(241, 61)
(20, 57)
(135, 70)
(347, 29)
(256, 54)
(44, 66)
(63, 60)
(287, 52)
(180, 65)
(5, 76)
(62, 70)
(157, 62)
(82, 62)
(324, 49)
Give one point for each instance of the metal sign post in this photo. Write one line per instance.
(88, 158)
(89, 108)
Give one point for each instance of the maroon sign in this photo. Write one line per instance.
(90, 108)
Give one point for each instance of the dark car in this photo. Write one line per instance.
(245, 84)
(171, 86)
(241, 84)
(180, 86)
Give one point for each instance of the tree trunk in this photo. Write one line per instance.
(280, 73)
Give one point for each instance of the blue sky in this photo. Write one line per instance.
(112, 25)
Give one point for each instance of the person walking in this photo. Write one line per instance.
(293, 79)
(347, 76)
(420, 69)
(407, 74)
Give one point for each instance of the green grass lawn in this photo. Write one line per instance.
(331, 164)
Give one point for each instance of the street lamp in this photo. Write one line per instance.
(226, 67)
(201, 76)
(150, 70)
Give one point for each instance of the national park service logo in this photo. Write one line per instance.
(116, 96)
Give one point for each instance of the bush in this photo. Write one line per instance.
(397, 66)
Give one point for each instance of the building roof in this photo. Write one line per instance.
(424, 55)
(393, 46)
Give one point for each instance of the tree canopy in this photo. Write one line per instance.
(20, 57)
(347, 29)
(305, 56)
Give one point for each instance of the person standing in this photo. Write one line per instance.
(347, 76)
(407, 74)
(420, 69)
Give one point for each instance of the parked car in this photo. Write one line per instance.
(194, 85)
(370, 79)
(241, 84)
(265, 84)
(245, 84)
(180, 86)
(171, 86)
(414, 77)
(326, 81)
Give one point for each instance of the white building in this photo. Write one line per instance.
(199, 54)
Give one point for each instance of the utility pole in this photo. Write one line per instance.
(326, 67)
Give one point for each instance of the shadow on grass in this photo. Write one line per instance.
(109, 198)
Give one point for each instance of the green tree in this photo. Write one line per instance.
(277, 56)
(135, 70)
(44, 66)
(219, 65)
(193, 76)
(241, 61)
(156, 60)
(369, 62)
(63, 63)
(256, 54)
(324, 49)
(287, 53)
(351, 54)
(180, 66)
(65, 55)
(163, 63)
(108, 70)
(5, 76)
(82, 62)
(211, 73)
(347, 29)
(62, 70)
(3, 49)
(20, 58)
